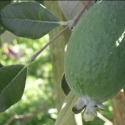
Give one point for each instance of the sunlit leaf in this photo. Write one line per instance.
(12, 84)
(66, 110)
(28, 19)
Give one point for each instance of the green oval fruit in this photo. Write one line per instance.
(95, 56)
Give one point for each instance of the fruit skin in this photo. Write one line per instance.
(95, 58)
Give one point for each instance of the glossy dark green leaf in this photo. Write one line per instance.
(28, 19)
(12, 84)
(64, 85)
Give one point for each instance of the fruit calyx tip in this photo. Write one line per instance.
(89, 105)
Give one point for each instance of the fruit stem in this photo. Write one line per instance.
(73, 22)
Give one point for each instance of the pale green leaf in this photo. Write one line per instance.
(72, 8)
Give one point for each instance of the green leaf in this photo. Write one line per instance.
(64, 85)
(66, 110)
(72, 8)
(28, 19)
(1, 29)
(3, 4)
(40, 1)
(12, 84)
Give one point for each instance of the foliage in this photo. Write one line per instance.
(37, 98)
(20, 17)
(39, 82)
(12, 85)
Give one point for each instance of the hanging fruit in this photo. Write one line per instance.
(95, 56)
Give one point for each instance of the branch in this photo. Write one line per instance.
(71, 24)
(18, 117)
(46, 45)
(29, 115)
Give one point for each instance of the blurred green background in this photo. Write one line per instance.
(37, 104)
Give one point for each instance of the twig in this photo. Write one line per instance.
(28, 115)
(76, 18)
(104, 119)
(10, 120)
(46, 45)
(70, 25)
(18, 117)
